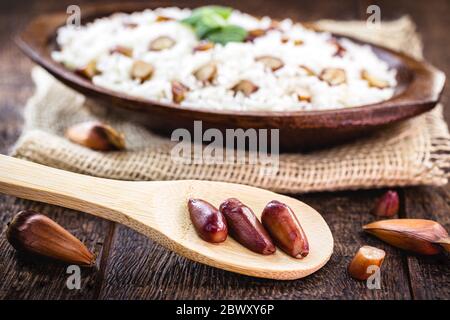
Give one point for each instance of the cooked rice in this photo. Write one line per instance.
(235, 62)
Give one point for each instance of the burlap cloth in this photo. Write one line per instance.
(411, 153)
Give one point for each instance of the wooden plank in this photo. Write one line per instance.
(15, 85)
(145, 270)
(22, 276)
(429, 277)
(432, 20)
(141, 269)
(25, 277)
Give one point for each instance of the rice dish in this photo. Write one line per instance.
(278, 66)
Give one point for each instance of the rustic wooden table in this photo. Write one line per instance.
(132, 267)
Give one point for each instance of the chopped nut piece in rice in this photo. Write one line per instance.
(141, 70)
(128, 52)
(374, 82)
(246, 87)
(206, 73)
(270, 62)
(204, 46)
(89, 70)
(162, 43)
(333, 76)
(179, 91)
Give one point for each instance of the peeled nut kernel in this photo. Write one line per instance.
(374, 82)
(163, 19)
(298, 42)
(130, 25)
(333, 76)
(285, 229)
(128, 52)
(141, 70)
(162, 43)
(204, 46)
(179, 91)
(284, 39)
(206, 73)
(303, 95)
(35, 233)
(340, 50)
(274, 25)
(255, 33)
(359, 267)
(270, 62)
(89, 70)
(208, 222)
(421, 236)
(388, 205)
(246, 87)
(245, 227)
(96, 136)
(308, 71)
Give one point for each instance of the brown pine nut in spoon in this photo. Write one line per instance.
(158, 210)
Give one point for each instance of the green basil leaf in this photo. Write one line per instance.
(224, 12)
(230, 33)
(209, 23)
(213, 20)
(201, 30)
(191, 20)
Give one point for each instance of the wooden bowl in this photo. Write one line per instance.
(419, 88)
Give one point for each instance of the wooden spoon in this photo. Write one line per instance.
(158, 209)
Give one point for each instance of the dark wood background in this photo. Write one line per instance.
(133, 267)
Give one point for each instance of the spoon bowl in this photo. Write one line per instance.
(158, 209)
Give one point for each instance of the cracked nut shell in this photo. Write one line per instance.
(35, 233)
(96, 135)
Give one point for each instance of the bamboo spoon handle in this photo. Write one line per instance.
(36, 182)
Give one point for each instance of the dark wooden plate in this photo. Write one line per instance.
(419, 88)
